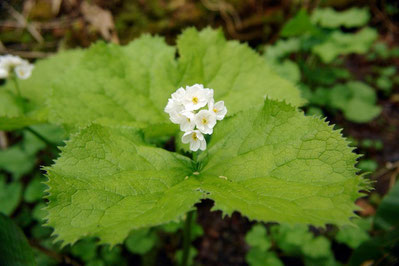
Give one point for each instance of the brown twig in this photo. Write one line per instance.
(24, 23)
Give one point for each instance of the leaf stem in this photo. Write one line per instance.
(16, 85)
(187, 238)
(41, 137)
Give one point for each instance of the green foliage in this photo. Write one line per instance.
(14, 248)
(354, 236)
(108, 181)
(256, 238)
(387, 216)
(107, 193)
(141, 241)
(14, 113)
(383, 246)
(20, 158)
(356, 100)
(179, 256)
(298, 25)
(329, 18)
(368, 165)
(10, 195)
(340, 43)
(135, 85)
(35, 189)
(256, 257)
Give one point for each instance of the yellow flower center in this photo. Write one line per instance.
(204, 121)
(195, 100)
(215, 110)
(194, 136)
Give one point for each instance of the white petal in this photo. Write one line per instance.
(195, 145)
(24, 71)
(203, 145)
(186, 138)
(3, 73)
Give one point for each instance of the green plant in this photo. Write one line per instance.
(266, 159)
(311, 57)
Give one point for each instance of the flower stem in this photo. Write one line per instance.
(16, 85)
(187, 238)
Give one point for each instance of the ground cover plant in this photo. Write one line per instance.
(150, 143)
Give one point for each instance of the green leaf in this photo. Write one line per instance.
(231, 69)
(287, 69)
(35, 189)
(139, 78)
(291, 238)
(318, 247)
(340, 43)
(329, 18)
(20, 158)
(271, 164)
(298, 25)
(10, 195)
(85, 249)
(108, 181)
(14, 248)
(257, 238)
(39, 212)
(258, 257)
(275, 164)
(357, 101)
(354, 236)
(35, 90)
(130, 83)
(282, 48)
(368, 165)
(141, 241)
(387, 215)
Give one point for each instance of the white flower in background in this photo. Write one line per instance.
(3, 73)
(196, 140)
(218, 108)
(184, 109)
(24, 71)
(196, 97)
(205, 121)
(8, 63)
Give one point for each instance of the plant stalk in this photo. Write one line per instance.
(16, 85)
(187, 238)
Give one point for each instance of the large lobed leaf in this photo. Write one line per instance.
(108, 181)
(132, 83)
(270, 164)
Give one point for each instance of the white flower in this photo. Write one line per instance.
(218, 108)
(205, 120)
(185, 108)
(24, 71)
(196, 97)
(179, 95)
(196, 140)
(173, 107)
(3, 73)
(10, 63)
(185, 119)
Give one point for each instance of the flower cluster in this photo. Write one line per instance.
(187, 108)
(9, 63)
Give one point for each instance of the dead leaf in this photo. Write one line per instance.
(101, 20)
